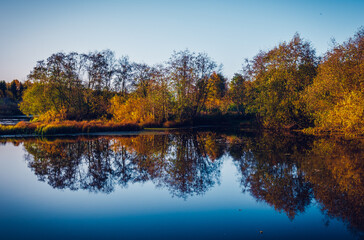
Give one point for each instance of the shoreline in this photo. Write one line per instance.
(109, 128)
(64, 128)
(105, 127)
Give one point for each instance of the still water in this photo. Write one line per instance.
(12, 120)
(195, 184)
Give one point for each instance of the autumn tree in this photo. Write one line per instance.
(151, 100)
(190, 73)
(141, 77)
(336, 97)
(216, 91)
(99, 69)
(136, 106)
(123, 75)
(160, 95)
(237, 92)
(278, 78)
(57, 87)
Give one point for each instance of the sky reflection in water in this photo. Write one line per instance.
(179, 185)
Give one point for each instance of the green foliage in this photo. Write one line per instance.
(35, 100)
(237, 92)
(216, 92)
(278, 78)
(76, 84)
(56, 87)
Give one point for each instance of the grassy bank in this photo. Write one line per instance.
(66, 127)
(39, 128)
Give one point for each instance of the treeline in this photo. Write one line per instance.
(10, 95)
(13, 90)
(285, 87)
(97, 85)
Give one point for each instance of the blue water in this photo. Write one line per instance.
(33, 209)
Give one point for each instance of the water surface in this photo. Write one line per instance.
(12, 120)
(196, 184)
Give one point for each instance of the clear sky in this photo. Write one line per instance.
(148, 31)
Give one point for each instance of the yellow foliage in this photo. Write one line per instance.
(133, 109)
(346, 116)
(336, 97)
(53, 116)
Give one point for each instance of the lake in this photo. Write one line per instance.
(186, 184)
(12, 120)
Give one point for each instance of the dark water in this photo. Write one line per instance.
(12, 120)
(182, 185)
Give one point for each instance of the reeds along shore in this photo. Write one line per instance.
(66, 127)
(41, 128)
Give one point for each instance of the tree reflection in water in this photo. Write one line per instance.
(285, 171)
(179, 162)
(271, 171)
(336, 170)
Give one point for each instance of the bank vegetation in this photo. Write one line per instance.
(286, 87)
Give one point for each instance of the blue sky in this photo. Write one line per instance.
(148, 31)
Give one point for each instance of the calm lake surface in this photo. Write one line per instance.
(192, 184)
(12, 120)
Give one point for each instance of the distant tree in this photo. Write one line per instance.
(15, 90)
(21, 91)
(2, 88)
